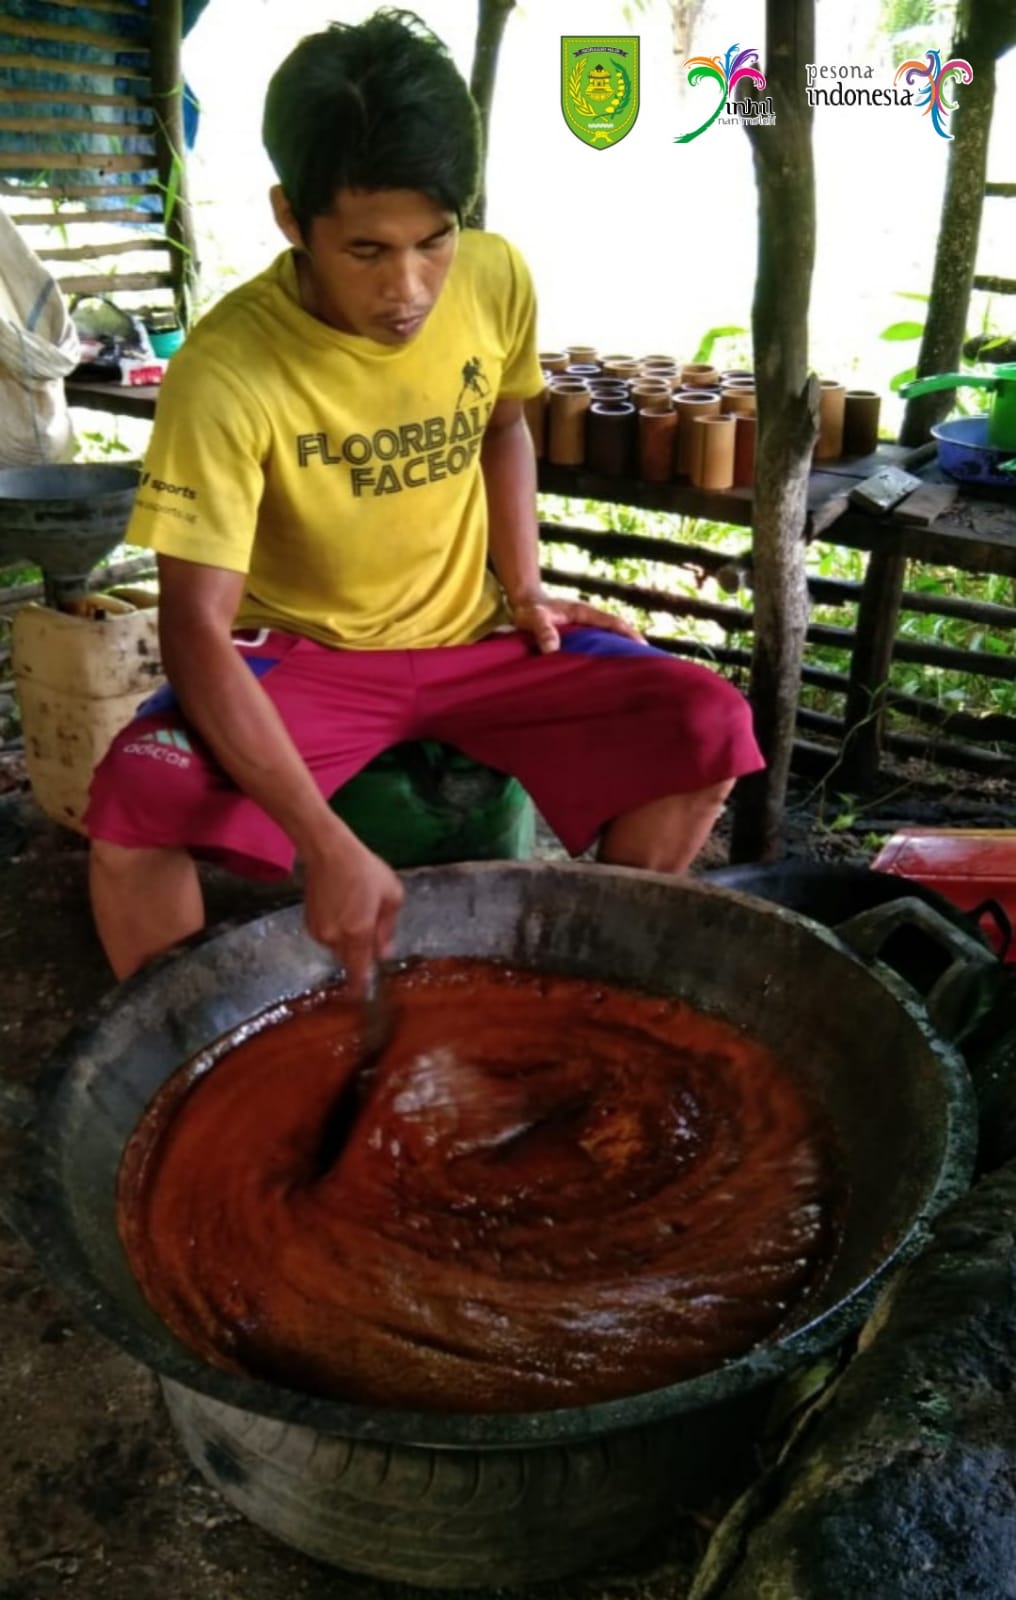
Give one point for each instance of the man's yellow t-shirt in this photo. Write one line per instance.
(341, 475)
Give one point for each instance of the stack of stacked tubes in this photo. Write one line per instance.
(661, 420)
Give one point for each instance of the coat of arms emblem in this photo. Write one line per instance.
(600, 87)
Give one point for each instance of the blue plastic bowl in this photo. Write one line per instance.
(965, 454)
(163, 344)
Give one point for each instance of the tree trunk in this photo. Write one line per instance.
(490, 26)
(787, 405)
(984, 29)
(685, 16)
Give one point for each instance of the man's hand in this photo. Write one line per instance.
(542, 617)
(351, 904)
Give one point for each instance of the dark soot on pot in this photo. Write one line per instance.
(554, 1193)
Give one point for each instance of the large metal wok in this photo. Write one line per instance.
(895, 1091)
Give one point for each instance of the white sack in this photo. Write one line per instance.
(38, 348)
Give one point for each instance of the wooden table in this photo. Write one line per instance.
(828, 488)
(123, 399)
(977, 534)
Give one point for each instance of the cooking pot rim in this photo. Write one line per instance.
(762, 1364)
(42, 1223)
(809, 878)
(66, 481)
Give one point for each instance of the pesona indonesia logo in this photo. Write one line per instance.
(926, 84)
(600, 87)
(935, 95)
(727, 73)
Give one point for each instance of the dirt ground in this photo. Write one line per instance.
(96, 1497)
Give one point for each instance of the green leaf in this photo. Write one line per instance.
(911, 294)
(906, 376)
(902, 330)
(709, 338)
(172, 190)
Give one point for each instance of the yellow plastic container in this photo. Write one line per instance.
(78, 680)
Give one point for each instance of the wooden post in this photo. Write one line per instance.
(493, 16)
(787, 407)
(984, 29)
(167, 103)
(878, 613)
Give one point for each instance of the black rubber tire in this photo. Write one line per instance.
(439, 1518)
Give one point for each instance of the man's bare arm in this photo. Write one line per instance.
(352, 898)
(509, 472)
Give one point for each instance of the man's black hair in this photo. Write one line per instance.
(379, 105)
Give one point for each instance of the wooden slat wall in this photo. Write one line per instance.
(119, 7)
(56, 160)
(962, 740)
(990, 285)
(68, 155)
(81, 219)
(94, 69)
(70, 98)
(92, 126)
(35, 28)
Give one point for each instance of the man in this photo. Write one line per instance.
(341, 490)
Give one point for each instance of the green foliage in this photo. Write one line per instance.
(13, 577)
(662, 576)
(107, 440)
(913, 26)
(952, 690)
(959, 691)
(709, 340)
(845, 819)
(909, 329)
(900, 378)
(101, 443)
(900, 16)
(902, 330)
(172, 189)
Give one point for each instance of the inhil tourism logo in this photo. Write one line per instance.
(600, 87)
(727, 72)
(927, 84)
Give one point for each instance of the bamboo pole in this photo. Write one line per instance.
(167, 101)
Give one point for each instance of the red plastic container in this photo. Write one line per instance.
(967, 866)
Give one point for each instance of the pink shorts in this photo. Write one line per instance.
(595, 730)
